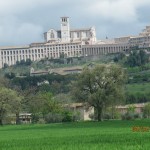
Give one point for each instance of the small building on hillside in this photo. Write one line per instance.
(67, 70)
(39, 72)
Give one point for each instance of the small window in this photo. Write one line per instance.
(52, 35)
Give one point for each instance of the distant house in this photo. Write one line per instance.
(138, 108)
(84, 111)
(25, 118)
(67, 70)
(39, 72)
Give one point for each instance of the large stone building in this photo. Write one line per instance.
(64, 41)
(71, 43)
(118, 44)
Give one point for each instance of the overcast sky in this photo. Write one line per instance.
(24, 21)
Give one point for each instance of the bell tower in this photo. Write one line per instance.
(65, 29)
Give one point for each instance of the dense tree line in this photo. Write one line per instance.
(57, 83)
(28, 62)
(137, 97)
(137, 58)
(43, 105)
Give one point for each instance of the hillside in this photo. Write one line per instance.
(137, 88)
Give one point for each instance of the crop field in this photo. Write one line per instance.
(106, 135)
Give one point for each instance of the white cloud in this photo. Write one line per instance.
(116, 10)
(23, 21)
(20, 6)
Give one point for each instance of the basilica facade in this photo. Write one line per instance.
(71, 43)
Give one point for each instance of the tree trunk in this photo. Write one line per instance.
(1, 117)
(99, 114)
(112, 112)
(1, 122)
(17, 118)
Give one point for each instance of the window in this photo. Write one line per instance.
(78, 34)
(52, 35)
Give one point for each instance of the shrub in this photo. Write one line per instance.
(107, 116)
(131, 116)
(41, 121)
(137, 115)
(35, 118)
(146, 111)
(53, 118)
(67, 116)
(128, 116)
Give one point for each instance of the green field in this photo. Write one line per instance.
(138, 88)
(107, 135)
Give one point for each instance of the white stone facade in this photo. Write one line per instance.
(86, 35)
(37, 51)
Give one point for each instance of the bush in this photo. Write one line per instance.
(131, 116)
(146, 110)
(41, 121)
(107, 116)
(35, 118)
(127, 116)
(137, 115)
(53, 118)
(67, 116)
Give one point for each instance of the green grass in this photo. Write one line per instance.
(138, 88)
(108, 135)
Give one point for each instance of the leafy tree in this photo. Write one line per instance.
(100, 87)
(9, 102)
(22, 62)
(16, 106)
(5, 65)
(10, 75)
(137, 58)
(146, 110)
(120, 56)
(28, 62)
(4, 82)
(43, 103)
(62, 55)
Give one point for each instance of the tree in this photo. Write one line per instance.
(10, 75)
(28, 62)
(100, 87)
(137, 58)
(16, 106)
(9, 103)
(5, 65)
(4, 82)
(43, 103)
(146, 110)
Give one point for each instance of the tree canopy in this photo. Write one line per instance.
(10, 102)
(137, 58)
(100, 86)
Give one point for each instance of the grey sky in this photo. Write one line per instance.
(24, 21)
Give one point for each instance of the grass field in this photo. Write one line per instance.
(107, 135)
(138, 88)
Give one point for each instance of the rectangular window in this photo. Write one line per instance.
(78, 34)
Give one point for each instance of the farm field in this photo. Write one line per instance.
(107, 135)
